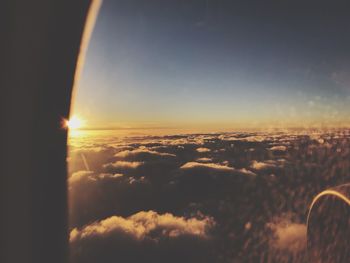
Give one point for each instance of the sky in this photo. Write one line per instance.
(219, 64)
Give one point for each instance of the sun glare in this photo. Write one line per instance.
(74, 123)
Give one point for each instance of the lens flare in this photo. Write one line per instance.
(74, 123)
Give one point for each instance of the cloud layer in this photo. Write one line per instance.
(199, 197)
(143, 237)
(145, 225)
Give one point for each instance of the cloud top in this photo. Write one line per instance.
(124, 165)
(133, 153)
(203, 150)
(213, 166)
(143, 224)
(78, 176)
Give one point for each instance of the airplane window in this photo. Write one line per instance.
(202, 130)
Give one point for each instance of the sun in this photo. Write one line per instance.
(74, 123)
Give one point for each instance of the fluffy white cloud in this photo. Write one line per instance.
(288, 236)
(132, 153)
(255, 138)
(109, 176)
(124, 165)
(214, 166)
(91, 176)
(143, 224)
(263, 165)
(246, 172)
(203, 150)
(281, 148)
(78, 176)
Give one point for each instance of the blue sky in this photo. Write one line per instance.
(219, 63)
